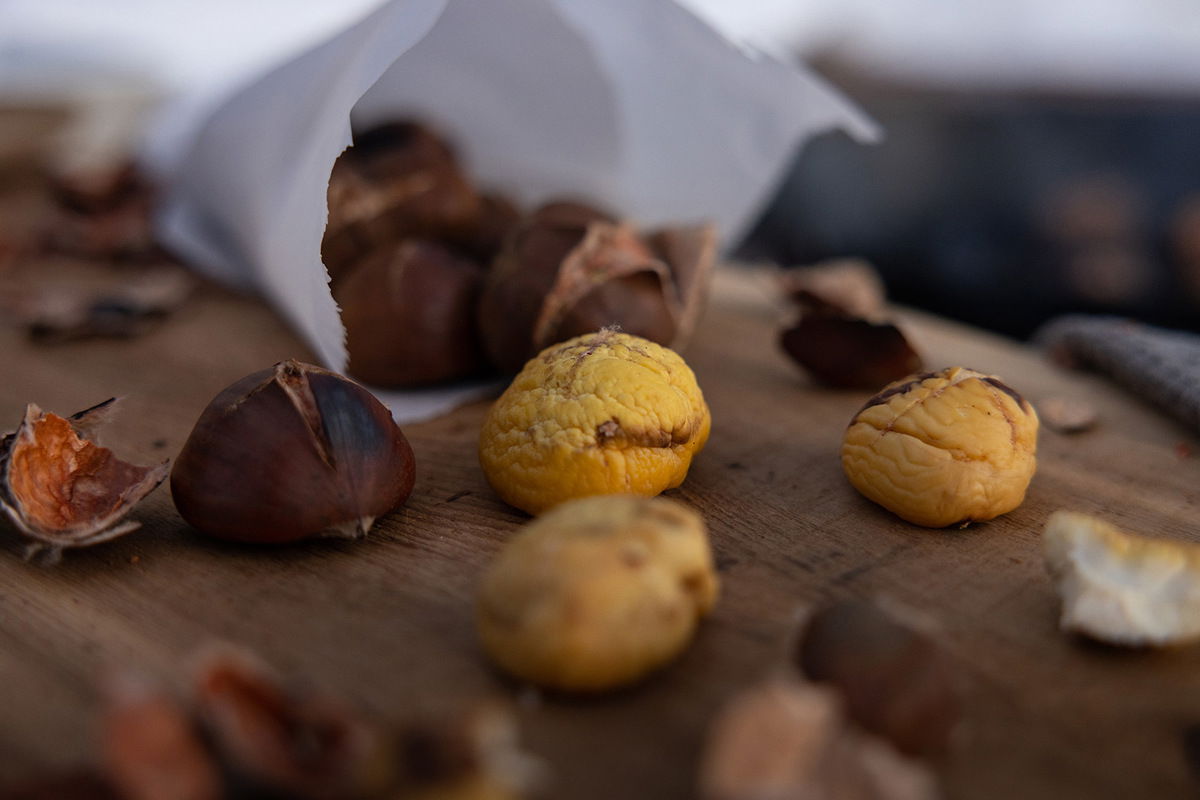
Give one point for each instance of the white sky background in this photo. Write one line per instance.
(1084, 45)
(1139, 45)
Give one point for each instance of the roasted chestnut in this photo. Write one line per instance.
(397, 180)
(570, 269)
(409, 313)
(290, 452)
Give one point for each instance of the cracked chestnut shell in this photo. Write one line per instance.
(570, 269)
(409, 313)
(291, 452)
(61, 489)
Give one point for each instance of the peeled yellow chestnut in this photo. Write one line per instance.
(291, 452)
(409, 313)
(569, 269)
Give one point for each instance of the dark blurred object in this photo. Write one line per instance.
(82, 784)
(1004, 210)
(124, 307)
(1162, 366)
(842, 337)
(104, 213)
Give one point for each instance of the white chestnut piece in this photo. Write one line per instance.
(291, 452)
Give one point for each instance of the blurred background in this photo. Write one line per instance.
(1041, 156)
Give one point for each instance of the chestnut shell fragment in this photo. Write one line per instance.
(290, 452)
(63, 490)
(850, 353)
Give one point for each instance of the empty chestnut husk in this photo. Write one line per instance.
(409, 313)
(291, 452)
(63, 490)
(841, 338)
(569, 269)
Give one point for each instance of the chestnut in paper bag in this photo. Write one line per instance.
(569, 269)
(396, 181)
(409, 312)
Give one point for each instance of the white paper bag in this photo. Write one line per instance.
(634, 104)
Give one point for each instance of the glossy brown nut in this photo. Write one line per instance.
(397, 181)
(482, 238)
(152, 749)
(895, 681)
(290, 452)
(569, 270)
(409, 314)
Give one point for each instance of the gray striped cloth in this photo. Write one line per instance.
(1160, 365)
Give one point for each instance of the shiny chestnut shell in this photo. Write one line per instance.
(409, 313)
(291, 452)
(566, 270)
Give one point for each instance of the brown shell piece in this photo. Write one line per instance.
(63, 490)
(850, 353)
(152, 749)
(850, 285)
(289, 744)
(689, 251)
(610, 277)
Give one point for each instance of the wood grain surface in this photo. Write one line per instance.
(387, 622)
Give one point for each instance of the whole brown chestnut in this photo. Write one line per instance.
(290, 452)
(398, 180)
(569, 269)
(409, 313)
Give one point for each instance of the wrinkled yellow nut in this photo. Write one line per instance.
(603, 413)
(598, 592)
(942, 448)
(1121, 588)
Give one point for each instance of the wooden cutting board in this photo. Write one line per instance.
(387, 622)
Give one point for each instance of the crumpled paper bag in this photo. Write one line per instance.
(635, 104)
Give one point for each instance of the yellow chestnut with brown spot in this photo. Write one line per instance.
(603, 413)
(943, 448)
(598, 592)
